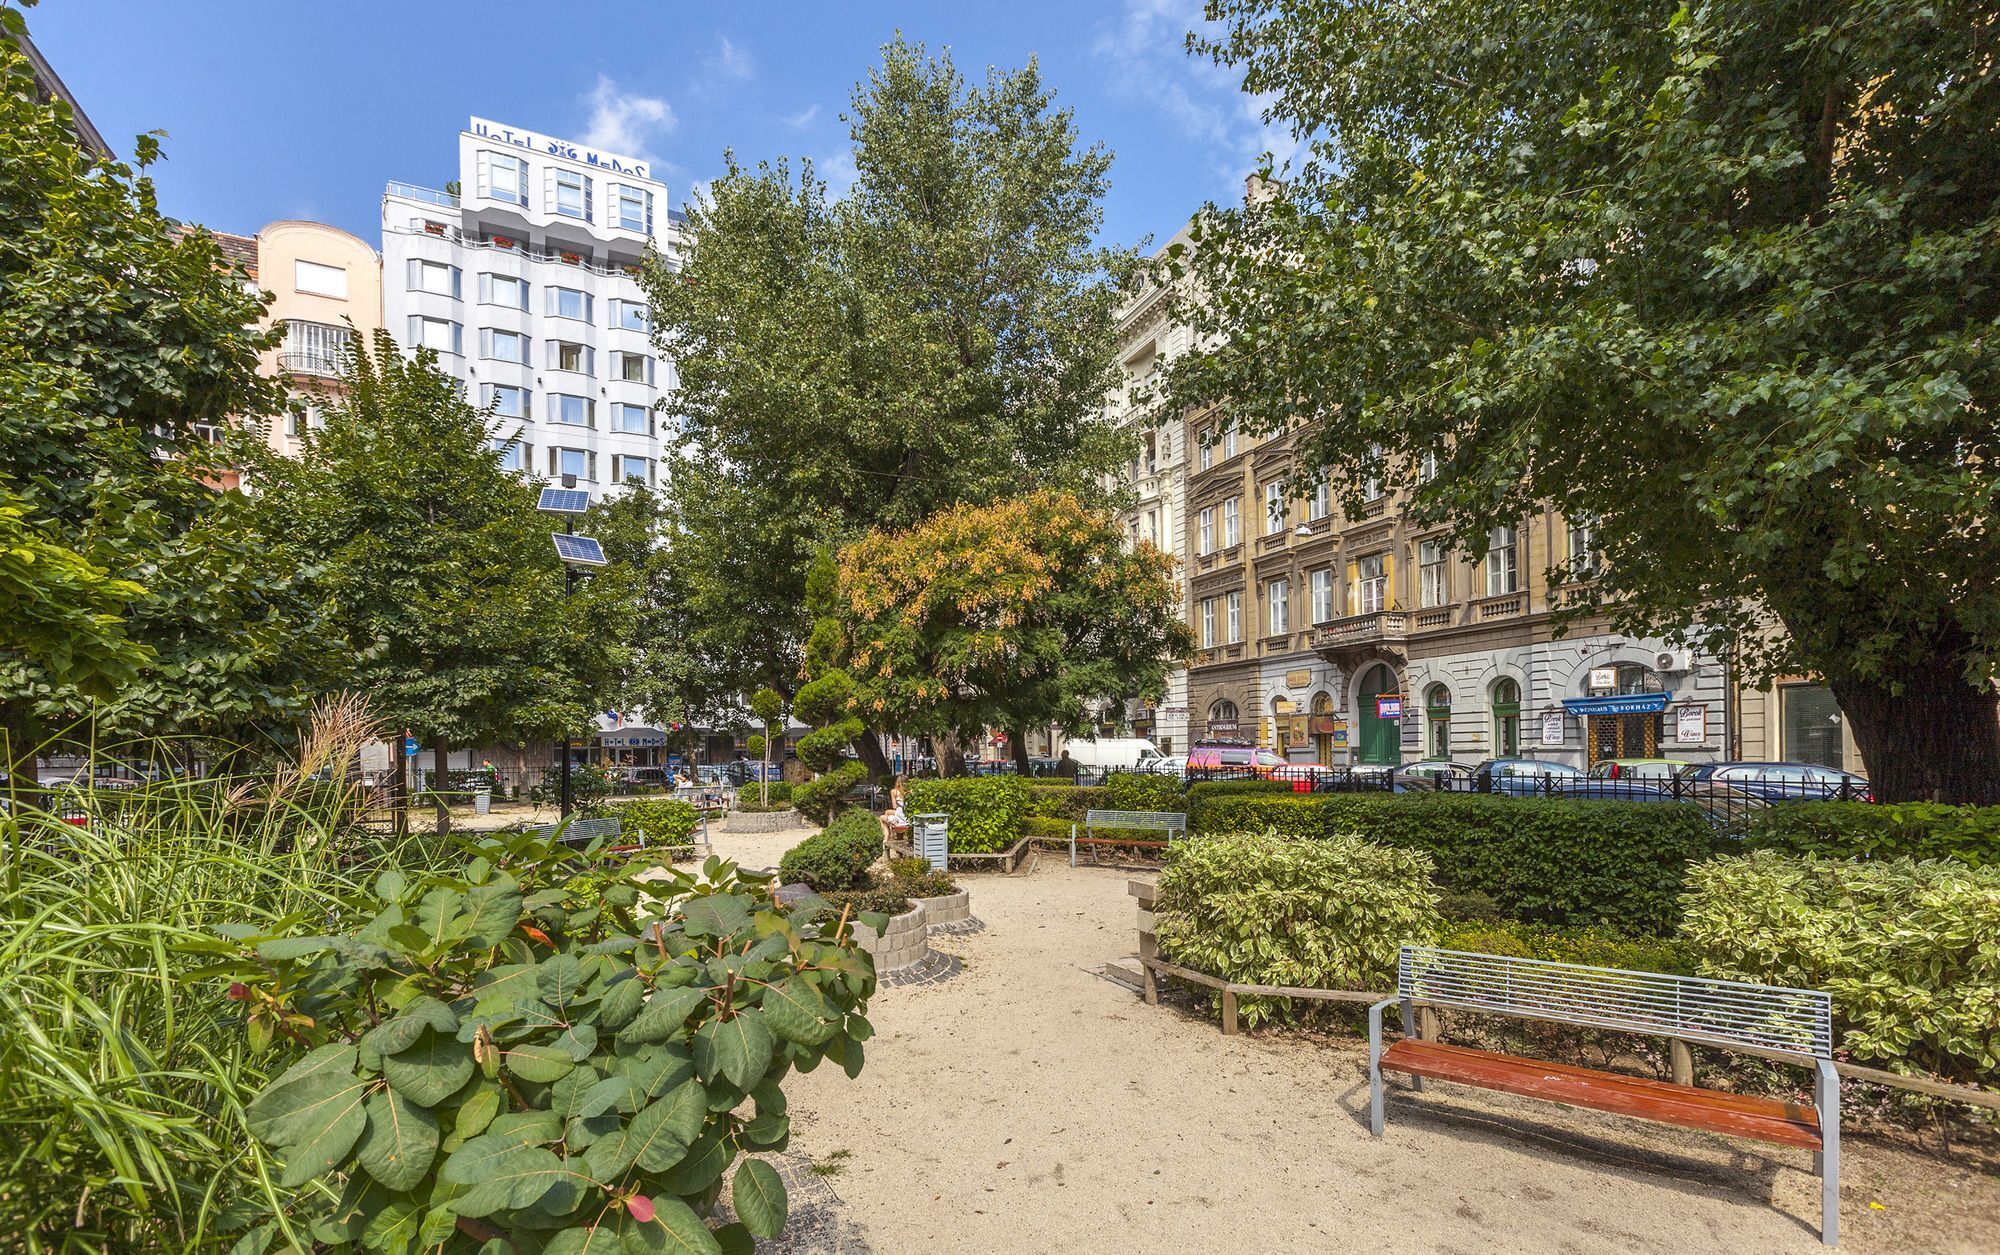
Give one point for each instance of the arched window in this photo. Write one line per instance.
(1635, 677)
(1223, 711)
(1437, 712)
(1506, 718)
(1322, 728)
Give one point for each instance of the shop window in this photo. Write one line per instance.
(1506, 719)
(1812, 725)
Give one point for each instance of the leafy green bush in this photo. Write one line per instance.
(1259, 908)
(652, 821)
(836, 858)
(823, 702)
(1907, 948)
(874, 899)
(1551, 861)
(1065, 801)
(493, 1057)
(1593, 944)
(985, 811)
(1144, 791)
(1970, 834)
(1470, 905)
(778, 791)
(588, 783)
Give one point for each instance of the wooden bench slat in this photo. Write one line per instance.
(1762, 1119)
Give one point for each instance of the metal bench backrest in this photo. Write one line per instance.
(1715, 1012)
(581, 830)
(1164, 821)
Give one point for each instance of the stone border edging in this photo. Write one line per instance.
(761, 821)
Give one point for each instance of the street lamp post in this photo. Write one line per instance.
(576, 552)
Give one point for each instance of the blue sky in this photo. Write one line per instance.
(287, 110)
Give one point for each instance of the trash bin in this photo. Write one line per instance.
(482, 801)
(930, 837)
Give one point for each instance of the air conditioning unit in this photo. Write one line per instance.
(1673, 660)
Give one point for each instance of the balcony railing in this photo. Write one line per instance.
(1380, 627)
(324, 362)
(428, 195)
(558, 256)
(1501, 606)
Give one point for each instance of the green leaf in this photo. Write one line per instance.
(390, 885)
(798, 1011)
(655, 1069)
(395, 1227)
(566, 1095)
(401, 1141)
(664, 1016)
(438, 916)
(622, 1001)
(735, 1239)
(321, 1131)
(477, 1111)
(717, 915)
(769, 1129)
(579, 1040)
(702, 1166)
(559, 978)
(495, 909)
(272, 1106)
(595, 1240)
(516, 1177)
(401, 1032)
(738, 1048)
(538, 1063)
(758, 1196)
(430, 1071)
(279, 949)
(608, 1093)
(674, 1230)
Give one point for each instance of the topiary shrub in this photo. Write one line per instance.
(511, 1059)
(1541, 859)
(1265, 909)
(837, 858)
(1969, 834)
(1144, 791)
(1906, 947)
(985, 811)
(652, 821)
(823, 702)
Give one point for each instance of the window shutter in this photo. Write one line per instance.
(1389, 598)
(1353, 588)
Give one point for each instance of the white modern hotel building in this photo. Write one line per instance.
(523, 280)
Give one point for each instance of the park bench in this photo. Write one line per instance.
(1789, 1025)
(581, 831)
(1168, 822)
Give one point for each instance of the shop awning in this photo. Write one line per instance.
(1618, 704)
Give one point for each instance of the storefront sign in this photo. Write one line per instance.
(1552, 728)
(1621, 704)
(1691, 725)
(1389, 706)
(1340, 732)
(556, 148)
(632, 738)
(1298, 679)
(1325, 725)
(1603, 679)
(1223, 727)
(1285, 706)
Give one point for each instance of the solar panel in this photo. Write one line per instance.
(564, 501)
(579, 550)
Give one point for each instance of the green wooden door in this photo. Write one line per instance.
(1381, 741)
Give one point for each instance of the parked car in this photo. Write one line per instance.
(1657, 770)
(1776, 782)
(1249, 762)
(1369, 778)
(1439, 773)
(1175, 765)
(1522, 777)
(746, 771)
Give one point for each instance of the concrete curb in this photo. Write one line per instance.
(761, 821)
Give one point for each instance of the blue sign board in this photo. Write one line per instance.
(1618, 704)
(409, 747)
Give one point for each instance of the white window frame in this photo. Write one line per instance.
(1206, 455)
(557, 410)
(490, 163)
(493, 391)
(620, 192)
(1233, 606)
(1322, 594)
(490, 337)
(619, 412)
(1208, 623)
(1322, 499)
(620, 360)
(424, 271)
(1279, 595)
(1433, 574)
(315, 278)
(1232, 523)
(489, 282)
(1503, 562)
(586, 304)
(1229, 443)
(566, 180)
(586, 462)
(513, 454)
(620, 307)
(420, 331)
(1372, 583)
(1206, 543)
(1274, 507)
(585, 355)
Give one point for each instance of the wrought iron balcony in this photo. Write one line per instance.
(322, 362)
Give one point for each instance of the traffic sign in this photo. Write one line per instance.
(409, 747)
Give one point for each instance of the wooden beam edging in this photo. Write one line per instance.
(1921, 1084)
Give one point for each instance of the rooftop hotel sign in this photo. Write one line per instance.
(615, 163)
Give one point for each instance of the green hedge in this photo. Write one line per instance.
(1594, 944)
(1066, 801)
(1543, 860)
(986, 811)
(1201, 796)
(1145, 791)
(1969, 834)
(837, 857)
(1263, 909)
(1907, 948)
(653, 820)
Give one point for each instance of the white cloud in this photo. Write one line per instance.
(803, 118)
(838, 172)
(1145, 54)
(622, 122)
(731, 61)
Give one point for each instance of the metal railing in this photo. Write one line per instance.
(428, 195)
(554, 256)
(310, 362)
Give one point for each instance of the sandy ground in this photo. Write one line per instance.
(1030, 1104)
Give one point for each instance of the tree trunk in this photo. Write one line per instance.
(1936, 741)
(868, 748)
(401, 800)
(950, 755)
(438, 785)
(1019, 737)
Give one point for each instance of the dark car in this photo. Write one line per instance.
(1370, 779)
(1775, 782)
(745, 771)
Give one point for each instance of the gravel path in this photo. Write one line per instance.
(1029, 1104)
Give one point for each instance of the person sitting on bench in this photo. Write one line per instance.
(895, 824)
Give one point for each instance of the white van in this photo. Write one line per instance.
(1114, 753)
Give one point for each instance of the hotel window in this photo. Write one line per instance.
(1323, 595)
(1322, 499)
(635, 418)
(435, 277)
(507, 402)
(1235, 607)
(569, 303)
(1281, 606)
(436, 333)
(1433, 573)
(631, 315)
(503, 346)
(633, 207)
(1274, 507)
(318, 280)
(632, 367)
(578, 462)
(575, 411)
(628, 469)
(1503, 562)
(1231, 525)
(503, 290)
(1206, 544)
(1371, 583)
(504, 177)
(513, 455)
(564, 355)
(1584, 561)
(1208, 623)
(570, 196)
